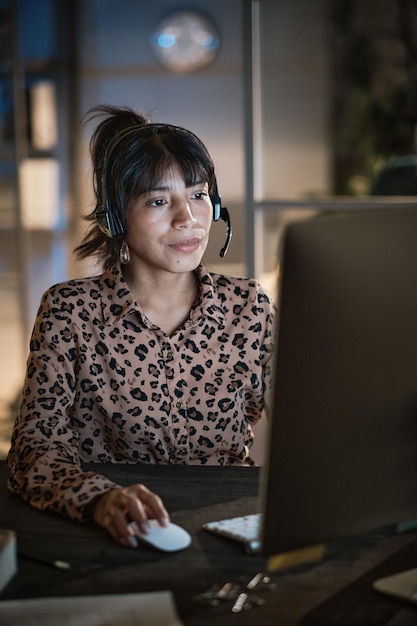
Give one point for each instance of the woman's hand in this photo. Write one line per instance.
(117, 508)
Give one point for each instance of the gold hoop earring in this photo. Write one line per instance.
(124, 253)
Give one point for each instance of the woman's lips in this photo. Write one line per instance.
(186, 246)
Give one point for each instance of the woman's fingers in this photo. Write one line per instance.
(117, 508)
(151, 505)
(121, 532)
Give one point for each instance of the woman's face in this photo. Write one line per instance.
(168, 227)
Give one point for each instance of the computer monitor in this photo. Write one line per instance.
(342, 444)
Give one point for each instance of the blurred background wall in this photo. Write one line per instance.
(306, 102)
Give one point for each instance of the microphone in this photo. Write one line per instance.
(224, 215)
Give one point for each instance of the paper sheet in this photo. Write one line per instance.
(135, 609)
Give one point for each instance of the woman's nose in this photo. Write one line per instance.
(184, 217)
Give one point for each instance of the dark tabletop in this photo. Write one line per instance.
(336, 590)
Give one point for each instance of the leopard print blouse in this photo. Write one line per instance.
(104, 384)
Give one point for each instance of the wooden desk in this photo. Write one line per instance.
(336, 591)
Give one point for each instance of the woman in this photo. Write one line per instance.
(154, 361)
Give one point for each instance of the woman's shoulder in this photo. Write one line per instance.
(239, 286)
(242, 296)
(74, 287)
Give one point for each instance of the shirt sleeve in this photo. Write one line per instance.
(44, 458)
(268, 308)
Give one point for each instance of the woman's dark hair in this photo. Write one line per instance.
(130, 156)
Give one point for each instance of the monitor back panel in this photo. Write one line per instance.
(343, 436)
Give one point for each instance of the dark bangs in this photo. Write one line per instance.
(152, 152)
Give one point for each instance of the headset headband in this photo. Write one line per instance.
(109, 221)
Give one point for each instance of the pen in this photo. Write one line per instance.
(37, 559)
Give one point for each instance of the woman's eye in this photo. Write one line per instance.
(156, 202)
(200, 195)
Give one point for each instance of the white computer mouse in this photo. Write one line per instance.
(169, 538)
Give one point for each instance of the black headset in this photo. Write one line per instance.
(109, 220)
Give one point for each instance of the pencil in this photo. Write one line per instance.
(64, 565)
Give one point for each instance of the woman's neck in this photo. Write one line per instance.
(166, 300)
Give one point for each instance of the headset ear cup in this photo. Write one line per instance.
(109, 222)
(216, 209)
(115, 224)
(217, 204)
(220, 212)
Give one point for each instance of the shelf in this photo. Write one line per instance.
(34, 86)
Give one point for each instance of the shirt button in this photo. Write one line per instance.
(170, 355)
(178, 405)
(182, 451)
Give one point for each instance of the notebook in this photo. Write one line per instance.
(8, 557)
(341, 447)
(402, 585)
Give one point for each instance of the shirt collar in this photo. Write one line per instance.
(118, 301)
(211, 303)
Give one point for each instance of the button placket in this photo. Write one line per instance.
(178, 406)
